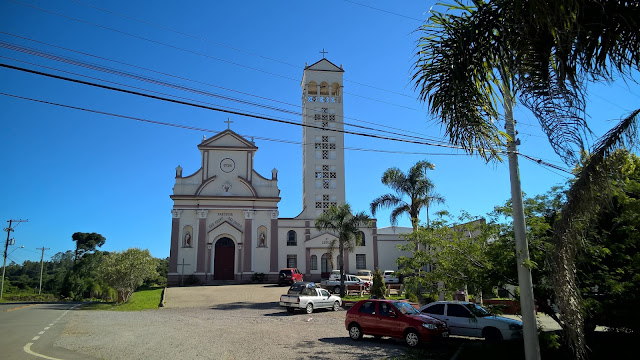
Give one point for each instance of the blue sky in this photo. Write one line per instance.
(68, 170)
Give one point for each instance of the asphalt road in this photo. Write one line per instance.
(29, 331)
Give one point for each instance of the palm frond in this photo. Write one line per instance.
(588, 191)
(384, 202)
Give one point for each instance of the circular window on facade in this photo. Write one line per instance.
(227, 165)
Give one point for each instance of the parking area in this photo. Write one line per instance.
(220, 322)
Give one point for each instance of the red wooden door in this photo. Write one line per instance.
(224, 259)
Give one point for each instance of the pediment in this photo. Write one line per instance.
(216, 186)
(324, 65)
(226, 225)
(321, 241)
(227, 139)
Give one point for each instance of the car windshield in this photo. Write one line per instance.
(406, 308)
(477, 310)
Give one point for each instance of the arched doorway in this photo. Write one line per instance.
(325, 266)
(224, 259)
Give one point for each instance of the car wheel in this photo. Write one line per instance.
(309, 308)
(336, 305)
(290, 309)
(355, 333)
(412, 338)
(336, 290)
(492, 334)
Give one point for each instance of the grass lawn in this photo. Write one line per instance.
(140, 300)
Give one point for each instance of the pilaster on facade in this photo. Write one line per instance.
(249, 214)
(202, 214)
(176, 213)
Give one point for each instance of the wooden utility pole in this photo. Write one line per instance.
(41, 266)
(6, 246)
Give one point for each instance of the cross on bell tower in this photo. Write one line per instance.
(228, 121)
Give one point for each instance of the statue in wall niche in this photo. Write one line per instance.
(263, 238)
(187, 238)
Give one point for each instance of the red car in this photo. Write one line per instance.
(395, 319)
(289, 276)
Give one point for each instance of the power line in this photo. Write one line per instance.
(224, 45)
(197, 53)
(187, 127)
(91, 66)
(537, 161)
(220, 109)
(385, 11)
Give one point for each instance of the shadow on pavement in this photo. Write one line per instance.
(246, 305)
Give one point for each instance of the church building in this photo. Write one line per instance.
(225, 223)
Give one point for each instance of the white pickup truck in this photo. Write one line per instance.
(307, 296)
(334, 285)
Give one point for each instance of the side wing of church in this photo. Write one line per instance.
(225, 222)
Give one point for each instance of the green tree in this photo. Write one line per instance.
(415, 185)
(608, 266)
(125, 271)
(83, 280)
(87, 242)
(346, 227)
(456, 252)
(546, 51)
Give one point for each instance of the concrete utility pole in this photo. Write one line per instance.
(41, 266)
(527, 304)
(6, 245)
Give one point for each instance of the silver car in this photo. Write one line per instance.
(470, 319)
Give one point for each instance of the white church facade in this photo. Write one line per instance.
(225, 220)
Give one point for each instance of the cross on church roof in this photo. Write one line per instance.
(228, 123)
(323, 52)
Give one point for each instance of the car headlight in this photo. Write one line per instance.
(429, 326)
(515, 327)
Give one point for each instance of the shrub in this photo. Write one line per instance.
(378, 289)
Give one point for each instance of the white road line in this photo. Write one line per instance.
(27, 349)
(47, 328)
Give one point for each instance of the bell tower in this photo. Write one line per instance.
(323, 139)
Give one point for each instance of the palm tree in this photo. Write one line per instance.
(415, 185)
(546, 52)
(346, 226)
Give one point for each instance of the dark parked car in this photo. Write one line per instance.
(289, 276)
(395, 319)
